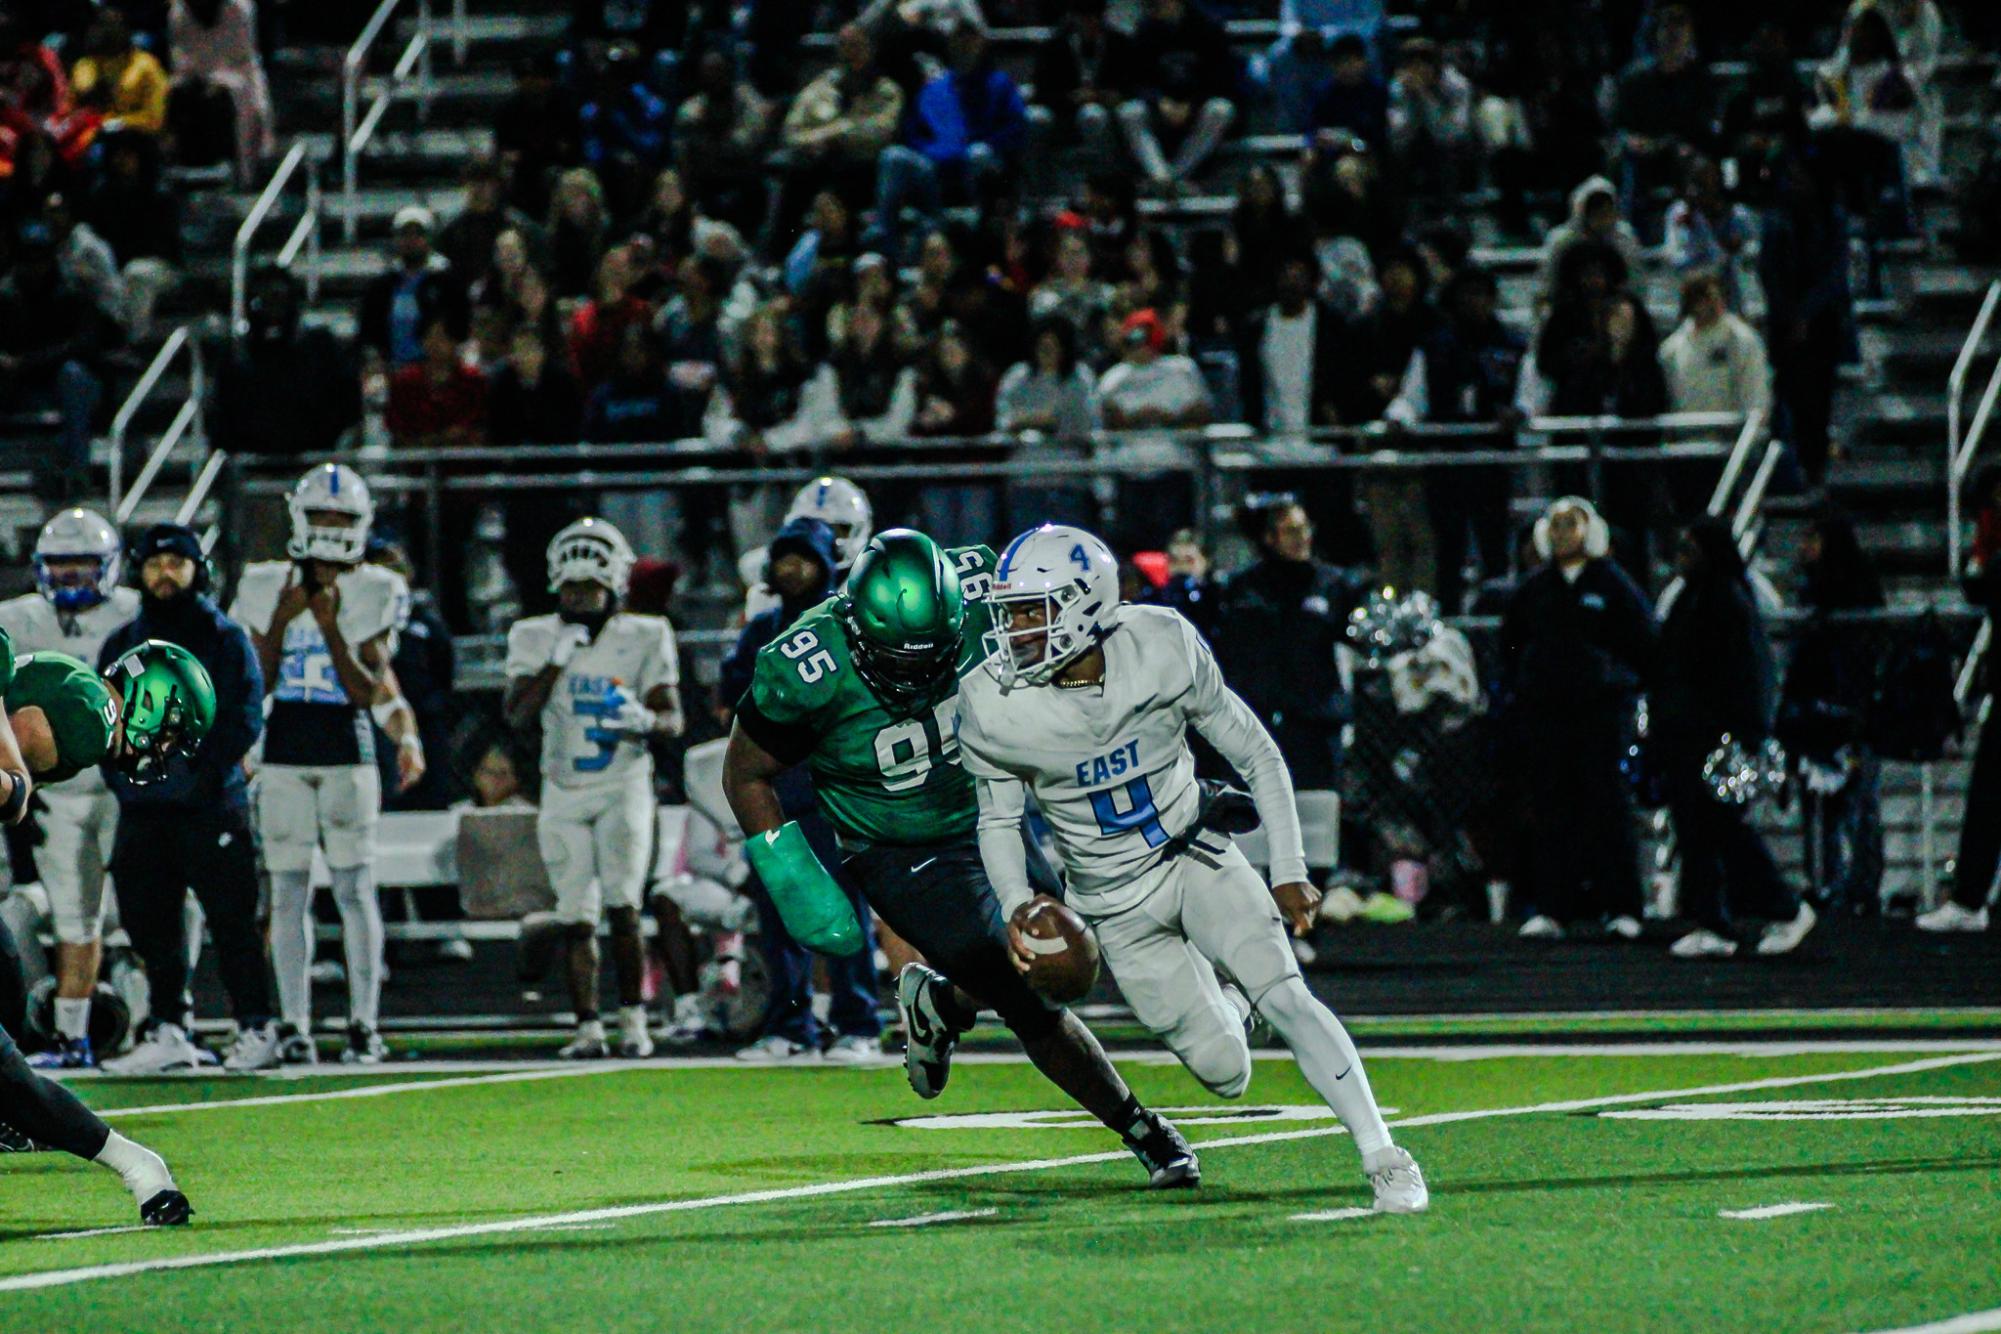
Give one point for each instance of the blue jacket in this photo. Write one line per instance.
(955, 111)
(213, 777)
(795, 785)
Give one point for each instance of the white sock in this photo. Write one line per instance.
(591, 1028)
(362, 937)
(632, 1016)
(72, 1017)
(292, 946)
(1328, 1059)
(144, 1172)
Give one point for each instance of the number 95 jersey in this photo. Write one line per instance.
(630, 656)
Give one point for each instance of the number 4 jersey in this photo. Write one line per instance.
(311, 722)
(630, 656)
(881, 777)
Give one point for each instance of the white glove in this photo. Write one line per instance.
(569, 640)
(633, 720)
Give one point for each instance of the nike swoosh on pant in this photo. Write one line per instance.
(921, 865)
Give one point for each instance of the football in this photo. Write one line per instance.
(1066, 953)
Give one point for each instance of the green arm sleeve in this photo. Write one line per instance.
(813, 907)
(6, 662)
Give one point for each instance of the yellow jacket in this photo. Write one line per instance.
(138, 89)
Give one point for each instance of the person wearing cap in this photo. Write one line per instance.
(419, 287)
(191, 828)
(52, 339)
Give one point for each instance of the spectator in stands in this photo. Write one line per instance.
(1714, 361)
(117, 80)
(1278, 623)
(965, 135)
(1918, 29)
(85, 260)
(1769, 111)
(1803, 267)
(1083, 73)
(285, 388)
(1213, 311)
(440, 401)
(399, 305)
(771, 400)
(671, 218)
(1369, 374)
(1073, 293)
(1431, 121)
(536, 132)
(1054, 393)
(533, 399)
(1184, 80)
(597, 330)
(1600, 357)
(1886, 115)
(1543, 124)
(632, 405)
(470, 241)
(1263, 227)
(1665, 106)
(720, 136)
(818, 271)
(52, 343)
(190, 829)
(878, 393)
(800, 568)
(1150, 273)
(1151, 387)
(213, 46)
(1577, 641)
(1464, 374)
(579, 232)
(1707, 232)
(1824, 712)
(837, 128)
(139, 218)
(1714, 678)
(1594, 218)
(625, 125)
(955, 389)
(1290, 359)
(690, 332)
(1354, 103)
(1349, 199)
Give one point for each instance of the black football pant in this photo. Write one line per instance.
(1980, 827)
(44, 1110)
(1727, 872)
(159, 856)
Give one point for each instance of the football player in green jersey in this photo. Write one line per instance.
(863, 690)
(61, 717)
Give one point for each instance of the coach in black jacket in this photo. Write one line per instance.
(191, 829)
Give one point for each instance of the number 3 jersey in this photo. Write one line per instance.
(881, 776)
(310, 721)
(1109, 764)
(630, 656)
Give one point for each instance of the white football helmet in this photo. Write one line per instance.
(843, 507)
(1068, 574)
(330, 488)
(78, 534)
(591, 550)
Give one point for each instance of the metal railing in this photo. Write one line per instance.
(1960, 451)
(305, 234)
(358, 127)
(188, 419)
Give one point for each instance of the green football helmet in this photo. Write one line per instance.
(168, 704)
(904, 614)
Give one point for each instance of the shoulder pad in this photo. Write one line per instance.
(780, 684)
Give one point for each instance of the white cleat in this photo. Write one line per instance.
(690, 1022)
(1624, 926)
(634, 1042)
(166, 1048)
(296, 1047)
(1785, 937)
(854, 1049)
(1950, 916)
(254, 1049)
(775, 1050)
(1398, 1183)
(1540, 927)
(1703, 944)
(588, 1044)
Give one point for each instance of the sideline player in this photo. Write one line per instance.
(76, 605)
(834, 501)
(324, 625)
(1087, 703)
(61, 717)
(864, 690)
(601, 682)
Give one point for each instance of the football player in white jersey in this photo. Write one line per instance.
(76, 605)
(600, 682)
(834, 501)
(1087, 703)
(324, 627)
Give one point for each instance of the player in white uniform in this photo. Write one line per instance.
(601, 683)
(1087, 703)
(76, 606)
(324, 625)
(834, 501)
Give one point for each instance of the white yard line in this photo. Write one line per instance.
(1974, 1322)
(1764, 1211)
(925, 1220)
(88, 1232)
(416, 1236)
(516, 1076)
(1334, 1215)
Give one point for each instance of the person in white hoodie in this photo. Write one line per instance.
(1714, 361)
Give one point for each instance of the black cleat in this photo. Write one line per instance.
(169, 1208)
(13, 1141)
(928, 1039)
(1169, 1161)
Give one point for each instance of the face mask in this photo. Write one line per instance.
(593, 621)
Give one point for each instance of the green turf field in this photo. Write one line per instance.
(1573, 1189)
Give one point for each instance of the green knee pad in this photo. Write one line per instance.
(814, 908)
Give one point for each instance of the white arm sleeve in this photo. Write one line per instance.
(1001, 850)
(1228, 724)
